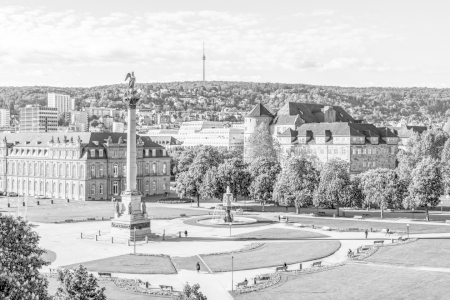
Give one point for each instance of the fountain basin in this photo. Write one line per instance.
(236, 221)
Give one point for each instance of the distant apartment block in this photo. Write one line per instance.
(102, 112)
(80, 120)
(118, 127)
(62, 102)
(5, 117)
(36, 118)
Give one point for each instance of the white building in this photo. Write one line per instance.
(118, 127)
(5, 117)
(61, 102)
(36, 118)
(189, 128)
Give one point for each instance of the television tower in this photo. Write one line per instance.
(204, 57)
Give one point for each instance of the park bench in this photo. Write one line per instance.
(321, 213)
(378, 242)
(365, 247)
(357, 217)
(243, 283)
(317, 264)
(261, 278)
(182, 215)
(166, 287)
(283, 268)
(104, 274)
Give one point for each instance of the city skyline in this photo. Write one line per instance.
(324, 43)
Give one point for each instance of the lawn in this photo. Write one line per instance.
(283, 234)
(342, 223)
(188, 263)
(135, 264)
(426, 252)
(272, 255)
(358, 282)
(112, 291)
(60, 211)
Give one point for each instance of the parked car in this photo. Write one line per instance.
(2, 193)
(40, 197)
(13, 194)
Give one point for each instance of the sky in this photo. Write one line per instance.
(358, 43)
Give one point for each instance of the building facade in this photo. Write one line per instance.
(80, 120)
(36, 118)
(102, 112)
(5, 117)
(79, 166)
(63, 103)
(118, 127)
(327, 132)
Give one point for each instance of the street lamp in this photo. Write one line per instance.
(407, 230)
(232, 269)
(230, 228)
(134, 237)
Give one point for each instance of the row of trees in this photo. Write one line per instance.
(302, 181)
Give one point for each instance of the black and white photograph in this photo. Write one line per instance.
(224, 150)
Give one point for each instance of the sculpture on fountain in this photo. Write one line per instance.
(227, 200)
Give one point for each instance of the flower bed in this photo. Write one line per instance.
(373, 249)
(274, 278)
(250, 247)
(134, 286)
(314, 269)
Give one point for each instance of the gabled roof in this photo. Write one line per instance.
(259, 110)
(313, 113)
(288, 133)
(407, 131)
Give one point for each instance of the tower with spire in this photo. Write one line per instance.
(204, 58)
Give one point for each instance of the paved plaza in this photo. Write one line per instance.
(269, 244)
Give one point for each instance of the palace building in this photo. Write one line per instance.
(327, 132)
(79, 166)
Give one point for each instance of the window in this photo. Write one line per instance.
(92, 152)
(60, 170)
(359, 151)
(101, 189)
(54, 170)
(147, 152)
(154, 168)
(93, 189)
(364, 164)
(165, 168)
(67, 189)
(47, 169)
(92, 171)
(147, 185)
(36, 170)
(100, 153)
(116, 170)
(354, 151)
(364, 151)
(124, 170)
(154, 187)
(74, 171)
(73, 189)
(115, 188)
(164, 186)
(343, 151)
(336, 151)
(101, 171)
(147, 168)
(67, 170)
(82, 171)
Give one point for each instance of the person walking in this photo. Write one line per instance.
(285, 266)
(198, 267)
(387, 232)
(366, 233)
(185, 233)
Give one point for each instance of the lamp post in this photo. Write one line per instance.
(230, 229)
(134, 238)
(407, 229)
(232, 270)
(442, 204)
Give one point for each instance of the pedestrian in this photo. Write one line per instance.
(279, 218)
(366, 232)
(198, 267)
(254, 281)
(285, 266)
(387, 232)
(245, 282)
(185, 233)
(286, 208)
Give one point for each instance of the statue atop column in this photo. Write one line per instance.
(131, 96)
(143, 207)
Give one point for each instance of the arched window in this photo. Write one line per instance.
(42, 168)
(54, 170)
(164, 169)
(81, 190)
(116, 187)
(54, 189)
(100, 171)
(93, 171)
(147, 185)
(116, 170)
(41, 190)
(60, 170)
(47, 169)
(147, 168)
(13, 169)
(24, 186)
(154, 168)
(74, 171)
(74, 189)
(46, 188)
(29, 186)
(13, 187)
(30, 169)
(67, 188)
(67, 170)
(20, 168)
(82, 171)
(36, 170)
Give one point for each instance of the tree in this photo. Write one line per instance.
(233, 173)
(78, 285)
(333, 186)
(260, 144)
(263, 173)
(191, 293)
(189, 182)
(296, 183)
(378, 187)
(445, 167)
(354, 196)
(426, 186)
(20, 261)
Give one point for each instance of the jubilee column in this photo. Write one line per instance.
(131, 213)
